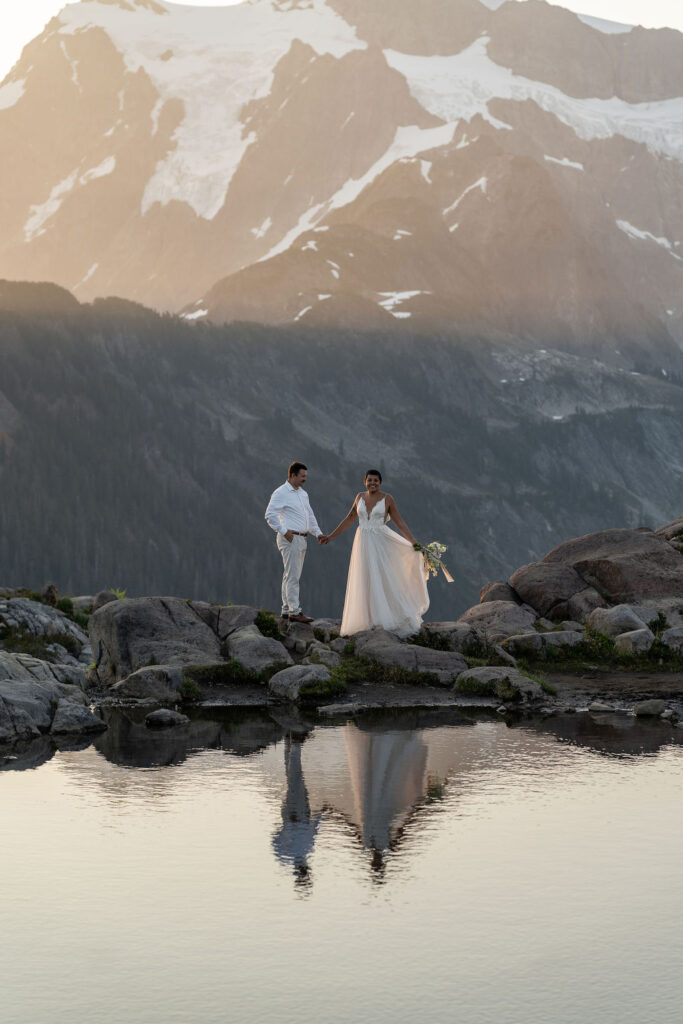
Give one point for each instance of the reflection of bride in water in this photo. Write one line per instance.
(386, 782)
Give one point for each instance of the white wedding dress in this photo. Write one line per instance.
(386, 585)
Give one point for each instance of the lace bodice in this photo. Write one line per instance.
(377, 517)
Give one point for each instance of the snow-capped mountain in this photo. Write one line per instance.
(419, 164)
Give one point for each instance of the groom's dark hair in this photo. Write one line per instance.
(295, 469)
(373, 472)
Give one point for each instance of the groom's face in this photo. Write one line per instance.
(298, 479)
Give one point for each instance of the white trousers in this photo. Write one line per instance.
(293, 553)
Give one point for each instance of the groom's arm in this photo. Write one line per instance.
(274, 516)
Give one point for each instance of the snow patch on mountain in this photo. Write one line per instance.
(42, 212)
(390, 300)
(11, 93)
(608, 27)
(222, 57)
(458, 88)
(408, 141)
(564, 162)
(647, 236)
(482, 184)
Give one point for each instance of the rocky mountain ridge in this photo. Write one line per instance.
(150, 447)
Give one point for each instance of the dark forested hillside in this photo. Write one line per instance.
(139, 451)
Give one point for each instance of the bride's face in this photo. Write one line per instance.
(372, 483)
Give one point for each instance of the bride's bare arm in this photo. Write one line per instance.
(396, 518)
(346, 521)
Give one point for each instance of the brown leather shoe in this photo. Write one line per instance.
(300, 617)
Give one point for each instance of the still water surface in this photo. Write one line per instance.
(396, 869)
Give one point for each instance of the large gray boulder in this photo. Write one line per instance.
(673, 639)
(499, 590)
(137, 632)
(503, 683)
(544, 585)
(386, 649)
(649, 708)
(613, 621)
(562, 638)
(625, 566)
(637, 641)
(39, 619)
(459, 636)
(500, 619)
(256, 653)
(290, 681)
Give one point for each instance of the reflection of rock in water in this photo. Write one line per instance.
(611, 734)
(387, 779)
(129, 742)
(27, 754)
(293, 843)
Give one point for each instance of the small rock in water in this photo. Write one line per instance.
(649, 708)
(598, 705)
(164, 718)
(502, 710)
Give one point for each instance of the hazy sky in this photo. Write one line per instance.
(24, 20)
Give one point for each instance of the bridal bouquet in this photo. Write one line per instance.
(431, 554)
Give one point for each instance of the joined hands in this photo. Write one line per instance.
(323, 539)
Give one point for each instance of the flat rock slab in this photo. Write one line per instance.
(386, 649)
(39, 619)
(290, 681)
(138, 632)
(257, 653)
(224, 619)
(624, 565)
(74, 719)
(500, 619)
(157, 682)
(459, 636)
(502, 682)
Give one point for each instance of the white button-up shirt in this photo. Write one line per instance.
(290, 509)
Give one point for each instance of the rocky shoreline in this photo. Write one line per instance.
(596, 625)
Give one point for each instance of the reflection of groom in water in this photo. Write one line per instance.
(294, 842)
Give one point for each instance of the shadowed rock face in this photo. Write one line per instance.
(624, 565)
(507, 192)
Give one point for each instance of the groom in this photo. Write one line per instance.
(289, 513)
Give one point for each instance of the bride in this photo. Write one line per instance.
(386, 584)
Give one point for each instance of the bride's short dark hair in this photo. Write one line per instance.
(373, 472)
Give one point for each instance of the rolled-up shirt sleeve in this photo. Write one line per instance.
(274, 516)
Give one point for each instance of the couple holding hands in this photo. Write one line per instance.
(386, 583)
